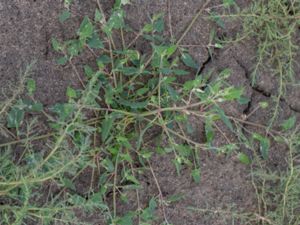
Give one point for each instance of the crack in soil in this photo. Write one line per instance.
(261, 91)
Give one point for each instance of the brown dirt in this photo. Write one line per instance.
(27, 27)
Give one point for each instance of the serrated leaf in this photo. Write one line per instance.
(106, 127)
(289, 123)
(95, 42)
(86, 29)
(159, 24)
(189, 61)
(196, 175)
(64, 16)
(31, 86)
(116, 21)
(244, 158)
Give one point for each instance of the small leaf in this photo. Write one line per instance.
(95, 42)
(56, 45)
(209, 132)
(243, 100)
(71, 93)
(142, 91)
(62, 60)
(189, 61)
(64, 16)
(289, 123)
(180, 72)
(263, 105)
(15, 117)
(233, 93)
(32, 106)
(98, 16)
(264, 145)
(106, 127)
(224, 118)
(196, 175)
(31, 86)
(133, 105)
(244, 158)
(147, 28)
(228, 3)
(68, 183)
(88, 71)
(86, 29)
(159, 24)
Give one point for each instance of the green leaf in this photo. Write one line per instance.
(98, 16)
(31, 86)
(71, 93)
(233, 93)
(116, 21)
(209, 132)
(64, 16)
(173, 93)
(228, 3)
(148, 213)
(88, 71)
(86, 29)
(133, 105)
(142, 91)
(130, 71)
(68, 183)
(126, 220)
(289, 123)
(181, 72)
(243, 100)
(15, 117)
(223, 117)
(147, 28)
(106, 127)
(189, 61)
(215, 17)
(56, 45)
(244, 158)
(159, 24)
(95, 42)
(64, 111)
(74, 47)
(62, 60)
(32, 106)
(196, 175)
(264, 145)
(132, 179)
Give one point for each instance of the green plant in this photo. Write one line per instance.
(128, 94)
